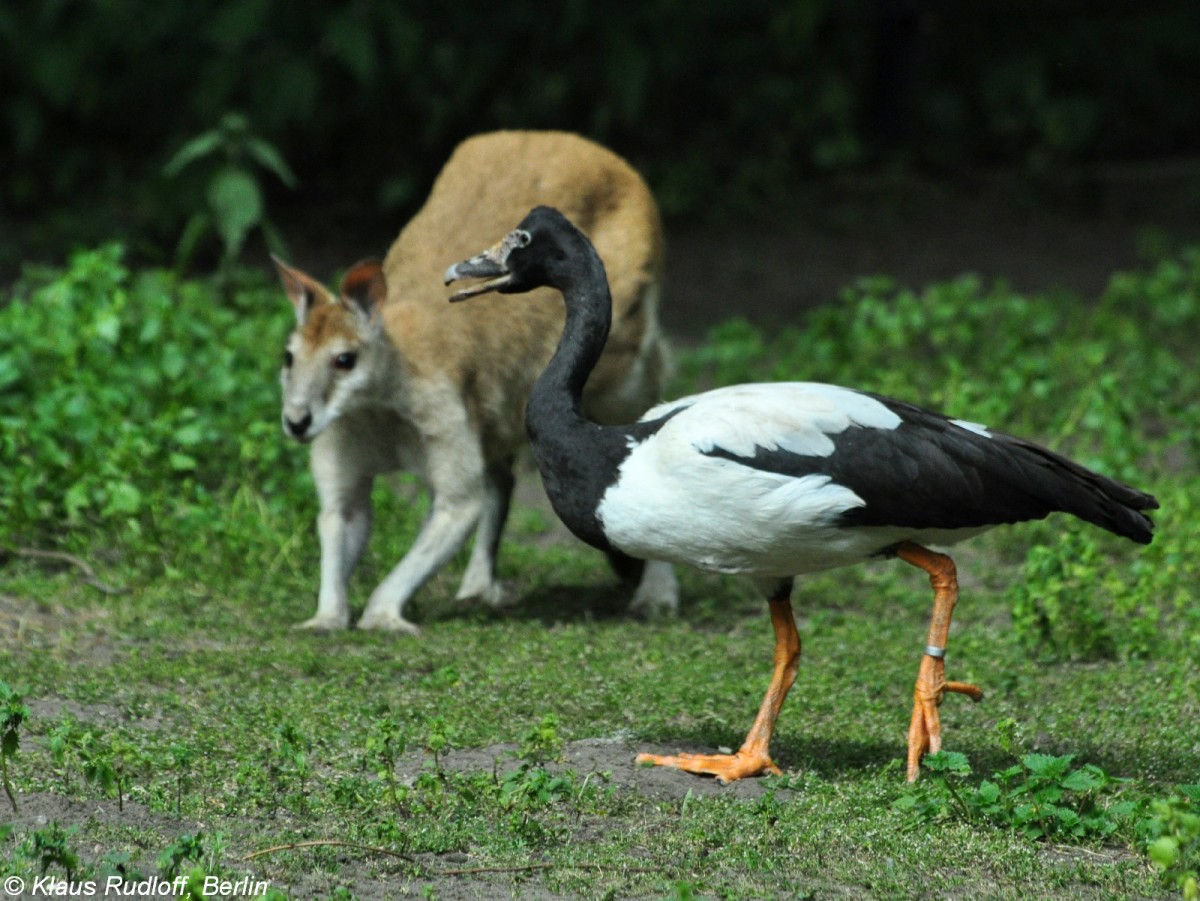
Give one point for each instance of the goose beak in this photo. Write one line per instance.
(491, 264)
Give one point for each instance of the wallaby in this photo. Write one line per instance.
(389, 375)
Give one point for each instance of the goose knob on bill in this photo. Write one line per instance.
(775, 480)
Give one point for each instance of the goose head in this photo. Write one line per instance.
(544, 250)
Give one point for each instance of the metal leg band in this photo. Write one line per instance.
(933, 650)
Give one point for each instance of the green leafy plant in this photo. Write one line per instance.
(119, 864)
(542, 743)
(205, 857)
(684, 891)
(529, 787)
(50, 846)
(183, 758)
(106, 761)
(279, 773)
(385, 743)
(1172, 835)
(1042, 796)
(13, 713)
(232, 155)
(439, 738)
(113, 764)
(1070, 602)
(1054, 601)
(187, 847)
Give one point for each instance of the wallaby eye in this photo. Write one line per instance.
(287, 359)
(345, 361)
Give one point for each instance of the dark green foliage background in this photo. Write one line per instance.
(715, 101)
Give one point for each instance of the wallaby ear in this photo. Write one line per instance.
(302, 290)
(365, 286)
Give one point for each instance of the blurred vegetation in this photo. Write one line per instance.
(233, 156)
(717, 103)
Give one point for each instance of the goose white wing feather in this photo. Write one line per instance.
(793, 416)
(755, 520)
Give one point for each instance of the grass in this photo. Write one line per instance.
(215, 740)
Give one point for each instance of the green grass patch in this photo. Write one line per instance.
(161, 718)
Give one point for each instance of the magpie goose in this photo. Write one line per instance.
(775, 480)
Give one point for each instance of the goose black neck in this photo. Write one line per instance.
(584, 286)
(578, 459)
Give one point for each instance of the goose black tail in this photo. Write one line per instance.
(1097, 499)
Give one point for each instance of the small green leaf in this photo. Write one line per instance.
(270, 158)
(1123, 809)
(988, 792)
(953, 762)
(182, 462)
(275, 241)
(1049, 795)
(236, 202)
(1083, 779)
(193, 231)
(1066, 817)
(9, 372)
(1164, 852)
(174, 361)
(197, 148)
(1047, 764)
(123, 499)
(190, 434)
(108, 326)
(77, 498)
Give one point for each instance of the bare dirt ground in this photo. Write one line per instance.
(370, 874)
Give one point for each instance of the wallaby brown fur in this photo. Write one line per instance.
(389, 375)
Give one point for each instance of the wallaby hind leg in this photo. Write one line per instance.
(479, 580)
(657, 592)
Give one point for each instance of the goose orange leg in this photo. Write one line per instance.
(754, 755)
(925, 731)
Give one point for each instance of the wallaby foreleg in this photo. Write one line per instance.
(343, 528)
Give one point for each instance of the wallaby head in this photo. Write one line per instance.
(338, 351)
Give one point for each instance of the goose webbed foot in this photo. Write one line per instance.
(753, 758)
(725, 767)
